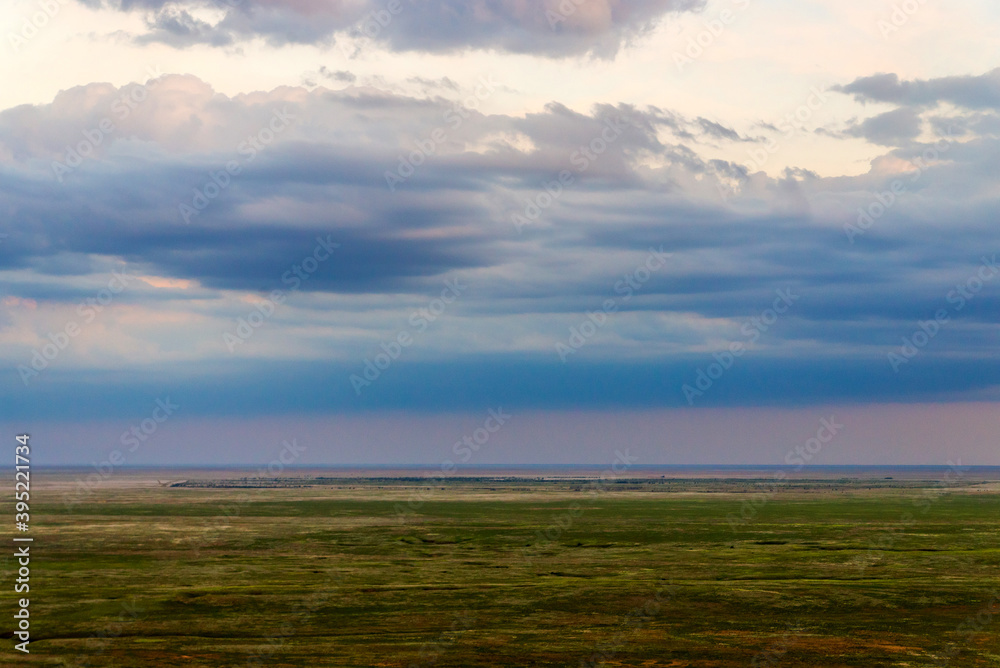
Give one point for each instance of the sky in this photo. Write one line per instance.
(389, 231)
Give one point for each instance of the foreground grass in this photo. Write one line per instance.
(515, 573)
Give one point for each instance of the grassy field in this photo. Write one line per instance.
(501, 572)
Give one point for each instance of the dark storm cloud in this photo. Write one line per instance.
(128, 206)
(650, 185)
(452, 214)
(217, 254)
(550, 27)
(512, 382)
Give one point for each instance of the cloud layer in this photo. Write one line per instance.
(213, 202)
(549, 27)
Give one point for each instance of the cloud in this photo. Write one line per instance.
(548, 27)
(650, 181)
(178, 28)
(341, 76)
(917, 101)
(431, 84)
(236, 387)
(719, 131)
(893, 128)
(970, 92)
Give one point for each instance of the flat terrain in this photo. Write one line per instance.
(223, 570)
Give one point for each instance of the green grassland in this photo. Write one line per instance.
(503, 572)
